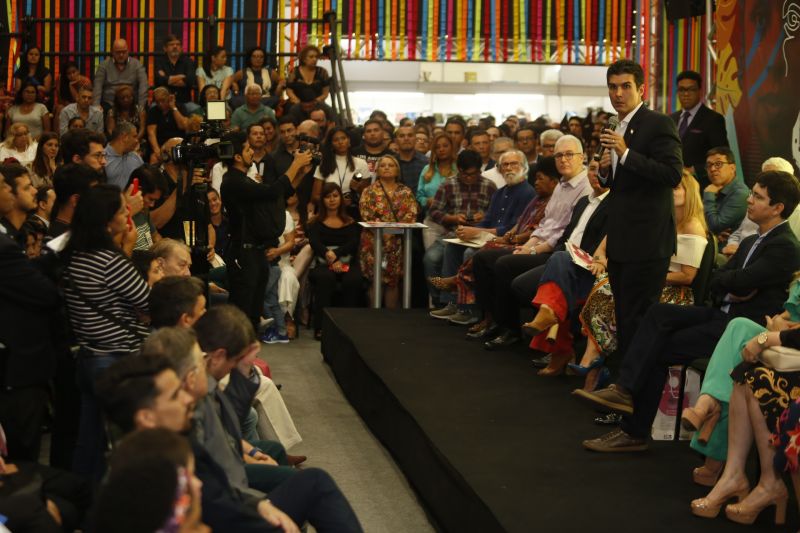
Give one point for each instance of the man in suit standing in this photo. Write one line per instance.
(754, 283)
(642, 164)
(699, 128)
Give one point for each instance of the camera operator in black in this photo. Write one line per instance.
(256, 215)
(184, 204)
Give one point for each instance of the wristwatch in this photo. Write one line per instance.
(762, 340)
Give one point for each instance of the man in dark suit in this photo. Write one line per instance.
(753, 284)
(699, 127)
(642, 164)
(28, 299)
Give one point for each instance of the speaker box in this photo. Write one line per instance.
(681, 9)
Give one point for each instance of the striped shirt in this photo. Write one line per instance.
(111, 283)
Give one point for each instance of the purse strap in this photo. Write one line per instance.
(94, 307)
(389, 199)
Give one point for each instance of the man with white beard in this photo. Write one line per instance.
(505, 208)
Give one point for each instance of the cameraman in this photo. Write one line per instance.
(257, 218)
(178, 214)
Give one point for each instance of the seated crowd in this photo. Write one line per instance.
(129, 265)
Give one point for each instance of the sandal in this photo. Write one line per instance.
(443, 284)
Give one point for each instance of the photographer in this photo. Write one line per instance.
(257, 218)
(182, 212)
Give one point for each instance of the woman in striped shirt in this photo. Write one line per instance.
(106, 302)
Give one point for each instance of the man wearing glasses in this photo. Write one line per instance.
(699, 128)
(725, 198)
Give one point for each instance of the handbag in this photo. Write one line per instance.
(781, 358)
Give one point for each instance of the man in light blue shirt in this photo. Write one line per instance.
(121, 156)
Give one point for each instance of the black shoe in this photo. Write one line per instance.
(542, 361)
(488, 332)
(504, 340)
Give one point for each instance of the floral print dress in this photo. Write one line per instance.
(375, 206)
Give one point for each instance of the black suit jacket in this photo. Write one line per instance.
(706, 131)
(641, 212)
(595, 226)
(769, 272)
(28, 303)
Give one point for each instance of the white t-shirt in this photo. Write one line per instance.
(25, 158)
(342, 174)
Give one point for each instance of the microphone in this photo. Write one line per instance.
(613, 122)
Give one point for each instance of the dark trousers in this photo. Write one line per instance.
(22, 498)
(636, 286)
(506, 269)
(268, 477)
(312, 496)
(248, 274)
(67, 411)
(22, 412)
(667, 335)
(324, 283)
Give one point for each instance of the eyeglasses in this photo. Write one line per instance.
(548, 146)
(717, 165)
(98, 155)
(564, 155)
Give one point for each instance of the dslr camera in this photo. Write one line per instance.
(310, 144)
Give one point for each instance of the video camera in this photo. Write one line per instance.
(195, 150)
(304, 141)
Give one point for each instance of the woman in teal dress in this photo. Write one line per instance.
(709, 416)
(441, 167)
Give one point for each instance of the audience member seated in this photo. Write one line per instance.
(456, 128)
(145, 392)
(597, 314)
(760, 394)
(547, 142)
(253, 110)
(217, 276)
(339, 166)
(422, 137)
(70, 181)
(460, 201)
(45, 200)
(34, 232)
(478, 140)
(151, 487)
(465, 282)
(29, 111)
(152, 186)
(300, 258)
(279, 290)
(91, 115)
(75, 123)
(442, 165)
(176, 72)
(751, 284)
(125, 108)
(46, 160)
(177, 301)
(308, 75)
(215, 71)
(23, 194)
(386, 200)
(255, 71)
(500, 146)
(748, 227)
(119, 70)
(19, 145)
(725, 198)
(372, 149)
(526, 140)
(308, 106)
(174, 256)
(121, 154)
(334, 237)
(148, 266)
(165, 120)
(69, 83)
(106, 300)
(32, 70)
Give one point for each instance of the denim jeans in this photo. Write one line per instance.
(272, 308)
(432, 263)
(90, 448)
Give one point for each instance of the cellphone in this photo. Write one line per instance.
(135, 187)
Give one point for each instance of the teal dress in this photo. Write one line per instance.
(427, 189)
(727, 355)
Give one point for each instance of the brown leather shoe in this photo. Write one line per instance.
(613, 398)
(615, 442)
(295, 460)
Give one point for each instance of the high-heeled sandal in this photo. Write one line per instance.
(581, 370)
(693, 419)
(738, 513)
(545, 320)
(558, 362)
(443, 284)
(709, 509)
(706, 477)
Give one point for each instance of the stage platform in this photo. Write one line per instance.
(490, 446)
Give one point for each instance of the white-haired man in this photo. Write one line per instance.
(253, 111)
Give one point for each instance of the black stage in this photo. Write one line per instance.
(490, 446)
